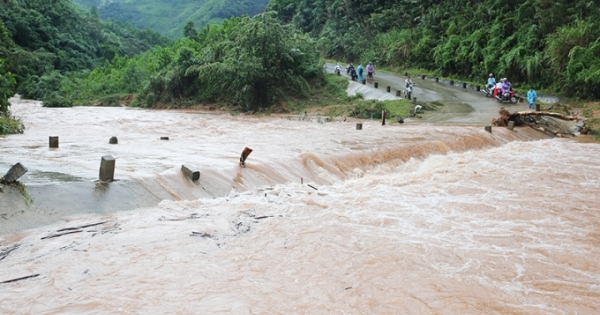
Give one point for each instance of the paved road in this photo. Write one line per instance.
(461, 106)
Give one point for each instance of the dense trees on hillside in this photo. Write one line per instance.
(169, 16)
(250, 62)
(547, 44)
(54, 37)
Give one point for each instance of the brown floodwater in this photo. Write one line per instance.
(419, 218)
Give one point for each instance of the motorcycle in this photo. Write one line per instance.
(510, 97)
(487, 92)
(408, 91)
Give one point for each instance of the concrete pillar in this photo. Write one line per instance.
(364, 81)
(537, 107)
(53, 142)
(383, 117)
(358, 126)
(376, 85)
(399, 120)
(423, 77)
(190, 172)
(477, 88)
(14, 173)
(164, 138)
(511, 125)
(107, 168)
(464, 85)
(389, 88)
(437, 80)
(414, 99)
(488, 129)
(451, 82)
(113, 140)
(405, 74)
(398, 93)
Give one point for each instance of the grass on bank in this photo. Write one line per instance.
(10, 126)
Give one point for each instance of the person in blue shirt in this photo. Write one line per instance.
(491, 81)
(531, 97)
(360, 71)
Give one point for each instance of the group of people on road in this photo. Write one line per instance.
(357, 73)
(504, 87)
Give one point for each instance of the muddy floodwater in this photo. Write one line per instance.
(419, 218)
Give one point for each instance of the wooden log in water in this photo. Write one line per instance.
(244, 156)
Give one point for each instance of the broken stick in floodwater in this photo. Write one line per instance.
(244, 156)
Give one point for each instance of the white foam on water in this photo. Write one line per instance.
(467, 223)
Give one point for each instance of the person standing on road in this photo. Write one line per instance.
(531, 98)
(408, 81)
(370, 70)
(360, 70)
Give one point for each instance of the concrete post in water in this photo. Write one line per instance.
(376, 85)
(358, 126)
(113, 140)
(414, 100)
(452, 82)
(190, 172)
(53, 142)
(423, 77)
(437, 80)
(399, 120)
(244, 156)
(14, 173)
(464, 85)
(537, 107)
(107, 168)
(398, 93)
(389, 89)
(511, 125)
(477, 88)
(164, 138)
(383, 117)
(405, 74)
(488, 129)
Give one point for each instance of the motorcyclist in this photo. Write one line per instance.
(360, 70)
(370, 70)
(505, 87)
(338, 68)
(491, 82)
(408, 81)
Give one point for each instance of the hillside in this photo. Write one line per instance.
(42, 42)
(168, 17)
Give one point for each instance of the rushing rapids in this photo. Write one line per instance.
(405, 219)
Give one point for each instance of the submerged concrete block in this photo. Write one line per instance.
(488, 129)
(53, 142)
(14, 173)
(358, 126)
(107, 168)
(376, 85)
(511, 125)
(164, 138)
(191, 172)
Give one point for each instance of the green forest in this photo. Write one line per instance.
(65, 56)
(168, 17)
